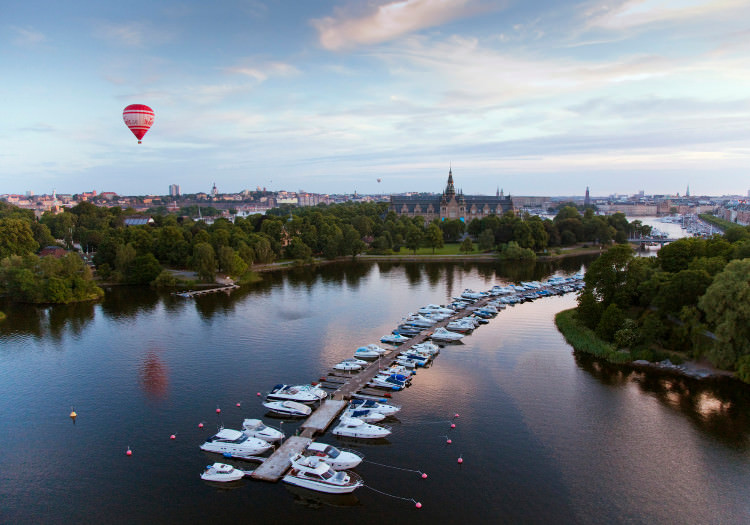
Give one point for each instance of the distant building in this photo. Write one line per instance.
(174, 190)
(587, 198)
(451, 204)
(137, 220)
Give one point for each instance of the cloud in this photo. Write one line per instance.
(390, 21)
(27, 37)
(262, 72)
(131, 34)
(635, 13)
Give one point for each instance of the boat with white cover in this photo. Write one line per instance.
(347, 366)
(426, 347)
(441, 334)
(365, 353)
(257, 429)
(376, 348)
(312, 472)
(314, 390)
(356, 428)
(393, 339)
(365, 414)
(222, 473)
(292, 393)
(430, 308)
(371, 404)
(233, 443)
(338, 459)
(288, 408)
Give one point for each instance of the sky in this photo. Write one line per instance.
(536, 97)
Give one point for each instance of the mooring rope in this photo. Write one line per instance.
(390, 495)
(391, 466)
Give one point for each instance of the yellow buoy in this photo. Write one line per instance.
(73, 414)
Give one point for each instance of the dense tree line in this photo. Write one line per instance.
(694, 298)
(138, 254)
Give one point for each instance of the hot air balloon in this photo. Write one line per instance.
(139, 119)
(379, 180)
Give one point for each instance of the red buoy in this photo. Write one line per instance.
(238, 404)
(453, 425)
(424, 475)
(200, 425)
(259, 393)
(449, 441)
(172, 436)
(460, 460)
(218, 411)
(129, 452)
(455, 415)
(418, 505)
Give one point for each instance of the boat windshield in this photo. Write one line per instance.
(328, 474)
(332, 452)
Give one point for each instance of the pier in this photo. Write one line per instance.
(192, 293)
(349, 385)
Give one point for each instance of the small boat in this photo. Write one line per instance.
(441, 334)
(430, 308)
(376, 348)
(312, 472)
(427, 348)
(460, 325)
(288, 408)
(371, 404)
(338, 459)
(365, 414)
(356, 428)
(222, 473)
(257, 429)
(292, 393)
(387, 382)
(420, 321)
(366, 353)
(394, 339)
(233, 443)
(347, 366)
(314, 390)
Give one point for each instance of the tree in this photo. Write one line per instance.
(204, 261)
(606, 276)
(726, 305)
(414, 238)
(683, 289)
(351, 242)
(612, 320)
(298, 250)
(452, 228)
(434, 237)
(16, 238)
(467, 246)
(486, 240)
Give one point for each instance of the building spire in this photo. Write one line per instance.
(450, 189)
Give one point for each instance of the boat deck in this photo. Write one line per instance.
(278, 463)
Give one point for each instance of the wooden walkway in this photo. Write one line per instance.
(192, 293)
(278, 463)
(322, 417)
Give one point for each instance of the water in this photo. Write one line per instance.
(546, 436)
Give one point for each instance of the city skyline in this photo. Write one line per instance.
(378, 97)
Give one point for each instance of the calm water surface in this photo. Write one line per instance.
(545, 436)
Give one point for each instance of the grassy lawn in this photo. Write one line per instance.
(448, 249)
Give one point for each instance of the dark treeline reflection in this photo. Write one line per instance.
(130, 301)
(719, 407)
(53, 321)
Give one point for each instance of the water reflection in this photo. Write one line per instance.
(129, 301)
(154, 376)
(719, 407)
(312, 499)
(49, 321)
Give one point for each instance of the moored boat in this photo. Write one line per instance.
(257, 429)
(292, 393)
(314, 473)
(338, 459)
(288, 408)
(222, 473)
(233, 443)
(356, 428)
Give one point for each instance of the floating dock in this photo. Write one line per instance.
(278, 463)
(192, 293)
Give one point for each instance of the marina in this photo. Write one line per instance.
(526, 403)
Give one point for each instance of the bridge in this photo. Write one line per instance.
(651, 240)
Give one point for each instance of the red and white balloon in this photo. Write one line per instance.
(139, 118)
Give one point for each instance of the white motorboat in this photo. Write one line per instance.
(233, 443)
(356, 428)
(406, 363)
(314, 390)
(460, 325)
(356, 361)
(427, 348)
(292, 393)
(387, 382)
(471, 294)
(222, 473)
(371, 404)
(312, 472)
(376, 348)
(288, 408)
(365, 414)
(441, 334)
(365, 353)
(420, 321)
(394, 339)
(257, 429)
(347, 366)
(398, 369)
(338, 459)
(430, 308)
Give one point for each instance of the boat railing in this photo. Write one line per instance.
(350, 451)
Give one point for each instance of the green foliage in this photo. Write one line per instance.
(16, 237)
(627, 335)
(589, 310)
(434, 237)
(165, 280)
(583, 339)
(513, 252)
(743, 368)
(612, 320)
(467, 246)
(726, 305)
(486, 240)
(204, 261)
(33, 279)
(606, 276)
(682, 289)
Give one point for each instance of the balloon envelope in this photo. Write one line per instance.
(139, 118)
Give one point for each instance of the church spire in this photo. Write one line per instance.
(450, 190)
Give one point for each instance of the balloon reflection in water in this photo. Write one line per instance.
(154, 376)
